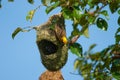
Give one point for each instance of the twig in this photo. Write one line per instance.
(38, 7)
(100, 8)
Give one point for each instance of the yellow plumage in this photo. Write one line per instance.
(64, 40)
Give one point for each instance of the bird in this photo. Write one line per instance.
(61, 33)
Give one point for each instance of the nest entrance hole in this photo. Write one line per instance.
(47, 47)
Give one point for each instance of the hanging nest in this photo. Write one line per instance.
(53, 51)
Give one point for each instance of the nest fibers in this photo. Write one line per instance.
(53, 52)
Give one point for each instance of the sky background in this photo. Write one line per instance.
(20, 58)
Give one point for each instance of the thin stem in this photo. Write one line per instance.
(39, 7)
(28, 28)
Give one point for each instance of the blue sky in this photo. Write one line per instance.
(20, 58)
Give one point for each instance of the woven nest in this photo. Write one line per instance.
(53, 52)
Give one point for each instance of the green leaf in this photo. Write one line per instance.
(50, 8)
(91, 47)
(102, 24)
(118, 30)
(105, 13)
(27, 17)
(16, 32)
(30, 15)
(45, 2)
(83, 20)
(115, 69)
(10, 0)
(117, 38)
(87, 69)
(76, 49)
(75, 31)
(119, 11)
(91, 19)
(31, 1)
(0, 6)
(107, 63)
(95, 57)
(119, 21)
(76, 13)
(114, 5)
(76, 64)
(86, 33)
(116, 75)
(66, 13)
(116, 63)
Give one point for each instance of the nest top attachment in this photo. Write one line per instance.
(53, 51)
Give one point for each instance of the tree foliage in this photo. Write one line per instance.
(83, 13)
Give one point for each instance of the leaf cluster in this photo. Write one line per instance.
(105, 63)
(30, 15)
(84, 13)
(29, 1)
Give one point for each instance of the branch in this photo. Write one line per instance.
(75, 38)
(100, 8)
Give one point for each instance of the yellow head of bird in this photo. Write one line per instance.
(64, 40)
